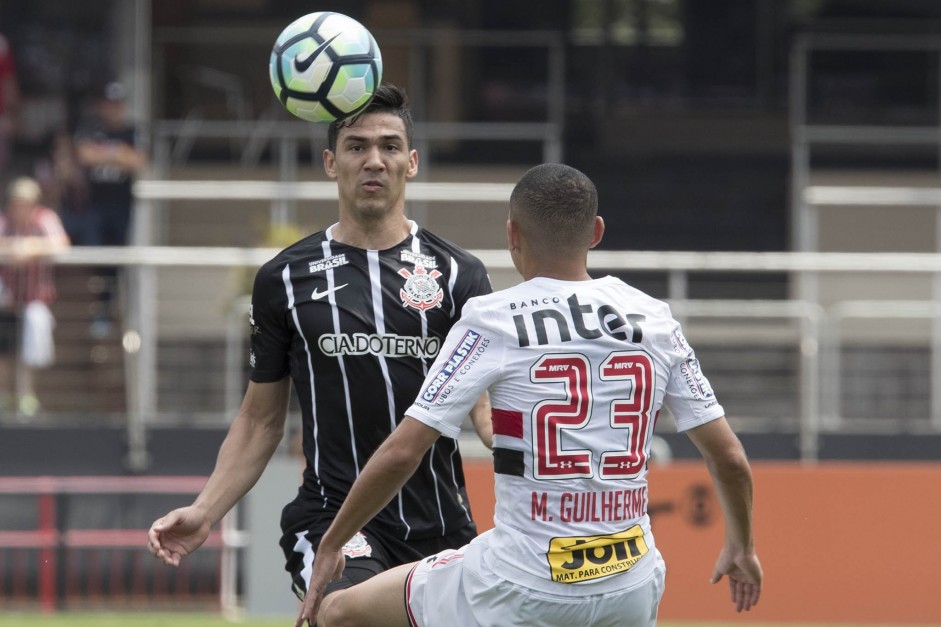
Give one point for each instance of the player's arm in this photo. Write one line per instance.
(252, 439)
(482, 420)
(731, 475)
(383, 476)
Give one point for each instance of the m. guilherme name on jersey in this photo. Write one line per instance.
(591, 506)
(609, 321)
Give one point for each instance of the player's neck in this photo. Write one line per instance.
(560, 267)
(371, 235)
(561, 270)
(561, 276)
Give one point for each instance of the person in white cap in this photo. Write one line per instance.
(29, 234)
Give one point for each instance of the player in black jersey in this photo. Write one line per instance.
(354, 316)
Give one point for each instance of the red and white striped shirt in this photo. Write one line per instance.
(34, 279)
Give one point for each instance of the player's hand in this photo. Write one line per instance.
(744, 574)
(178, 534)
(328, 566)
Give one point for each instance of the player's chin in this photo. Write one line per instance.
(374, 205)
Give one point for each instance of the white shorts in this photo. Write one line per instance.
(457, 589)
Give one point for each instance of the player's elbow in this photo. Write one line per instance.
(732, 467)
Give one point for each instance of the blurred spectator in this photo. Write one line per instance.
(29, 234)
(64, 186)
(108, 152)
(9, 103)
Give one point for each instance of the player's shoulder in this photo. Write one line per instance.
(308, 247)
(445, 246)
(638, 300)
(486, 302)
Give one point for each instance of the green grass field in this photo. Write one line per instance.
(166, 619)
(204, 620)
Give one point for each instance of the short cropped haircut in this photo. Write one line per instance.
(555, 206)
(387, 99)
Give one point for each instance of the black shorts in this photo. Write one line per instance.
(9, 331)
(369, 553)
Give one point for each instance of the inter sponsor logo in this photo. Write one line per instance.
(386, 345)
(585, 558)
(333, 261)
(465, 348)
(557, 323)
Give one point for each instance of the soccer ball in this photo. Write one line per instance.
(325, 66)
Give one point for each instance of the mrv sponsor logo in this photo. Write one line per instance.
(386, 345)
(593, 557)
(461, 354)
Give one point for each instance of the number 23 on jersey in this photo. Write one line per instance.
(633, 371)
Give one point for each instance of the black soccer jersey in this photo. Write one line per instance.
(357, 331)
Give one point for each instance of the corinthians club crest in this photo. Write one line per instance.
(421, 290)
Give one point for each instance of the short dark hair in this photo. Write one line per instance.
(387, 99)
(555, 207)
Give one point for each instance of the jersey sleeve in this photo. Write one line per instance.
(267, 318)
(689, 395)
(468, 363)
(472, 280)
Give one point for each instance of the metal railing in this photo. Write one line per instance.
(808, 201)
(809, 330)
(51, 545)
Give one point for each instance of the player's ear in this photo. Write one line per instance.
(598, 232)
(512, 235)
(412, 164)
(330, 163)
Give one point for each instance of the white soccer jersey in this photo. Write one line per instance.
(577, 373)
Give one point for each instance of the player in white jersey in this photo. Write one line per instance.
(578, 370)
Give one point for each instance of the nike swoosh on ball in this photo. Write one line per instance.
(301, 66)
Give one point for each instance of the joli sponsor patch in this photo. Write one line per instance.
(584, 558)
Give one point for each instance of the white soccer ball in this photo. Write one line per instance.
(325, 66)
